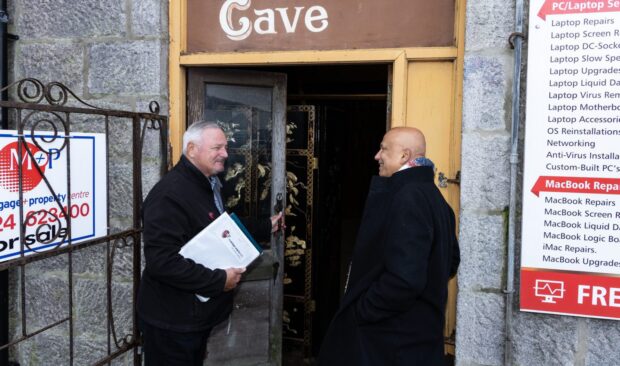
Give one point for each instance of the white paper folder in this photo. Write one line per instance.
(225, 243)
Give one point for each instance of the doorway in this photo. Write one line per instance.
(335, 118)
(330, 118)
(341, 111)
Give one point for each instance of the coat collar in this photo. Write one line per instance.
(192, 172)
(378, 184)
(423, 174)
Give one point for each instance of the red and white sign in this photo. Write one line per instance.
(563, 7)
(570, 257)
(592, 295)
(47, 203)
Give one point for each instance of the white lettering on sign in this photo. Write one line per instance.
(599, 295)
(315, 19)
(226, 19)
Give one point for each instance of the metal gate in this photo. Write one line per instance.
(72, 290)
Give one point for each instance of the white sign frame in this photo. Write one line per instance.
(86, 202)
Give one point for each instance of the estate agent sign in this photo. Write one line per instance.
(43, 214)
(269, 25)
(570, 258)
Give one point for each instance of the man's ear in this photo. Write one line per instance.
(407, 154)
(191, 148)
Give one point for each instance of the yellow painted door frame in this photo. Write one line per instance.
(426, 92)
(399, 58)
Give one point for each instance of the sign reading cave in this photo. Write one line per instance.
(281, 25)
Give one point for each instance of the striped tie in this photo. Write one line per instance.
(217, 197)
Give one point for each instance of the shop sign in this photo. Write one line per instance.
(45, 212)
(263, 25)
(570, 250)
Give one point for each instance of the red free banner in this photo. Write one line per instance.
(570, 293)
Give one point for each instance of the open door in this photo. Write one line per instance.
(431, 106)
(251, 108)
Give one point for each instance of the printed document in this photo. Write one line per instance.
(225, 243)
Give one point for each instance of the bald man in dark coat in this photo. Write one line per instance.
(392, 312)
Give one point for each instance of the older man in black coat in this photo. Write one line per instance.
(175, 324)
(393, 308)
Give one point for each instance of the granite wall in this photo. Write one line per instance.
(113, 55)
(538, 339)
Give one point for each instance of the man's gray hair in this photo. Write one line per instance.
(194, 133)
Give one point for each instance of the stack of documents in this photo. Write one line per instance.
(225, 243)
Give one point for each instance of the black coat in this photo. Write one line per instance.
(392, 312)
(175, 210)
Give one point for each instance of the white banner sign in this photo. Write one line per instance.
(570, 257)
(43, 210)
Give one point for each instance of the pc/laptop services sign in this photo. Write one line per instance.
(570, 242)
(39, 220)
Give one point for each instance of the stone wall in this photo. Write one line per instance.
(113, 55)
(538, 339)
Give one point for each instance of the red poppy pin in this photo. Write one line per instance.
(211, 215)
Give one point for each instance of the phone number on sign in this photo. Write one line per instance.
(42, 217)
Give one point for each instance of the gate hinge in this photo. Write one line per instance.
(315, 163)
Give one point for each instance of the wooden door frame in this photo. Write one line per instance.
(268, 263)
(398, 58)
(179, 61)
(401, 60)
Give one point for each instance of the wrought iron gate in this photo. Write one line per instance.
(73, 289)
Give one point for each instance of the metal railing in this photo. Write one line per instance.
(52, 268)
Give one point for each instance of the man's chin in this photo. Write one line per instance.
(219, 168)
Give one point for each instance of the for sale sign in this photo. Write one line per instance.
(570, 258)
(62, 180)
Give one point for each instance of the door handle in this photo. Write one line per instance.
(278, 206)
(443, 180)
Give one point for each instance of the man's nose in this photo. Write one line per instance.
(377, 155)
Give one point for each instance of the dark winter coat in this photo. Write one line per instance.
(392, 312)
(175, 210)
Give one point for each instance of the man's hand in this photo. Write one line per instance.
(277, 222)
(233, 275)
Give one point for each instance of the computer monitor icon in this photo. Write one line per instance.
(549, 290)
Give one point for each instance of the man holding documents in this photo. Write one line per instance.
(175, 322)
(392, 312)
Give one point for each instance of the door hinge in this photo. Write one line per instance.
(315, 163)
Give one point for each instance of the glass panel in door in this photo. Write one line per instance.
(250, 108)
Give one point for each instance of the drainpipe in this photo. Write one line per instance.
(516, 41)
(4, 275)
(4, 20)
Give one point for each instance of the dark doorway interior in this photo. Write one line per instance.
(348, 140)
(350, 113)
